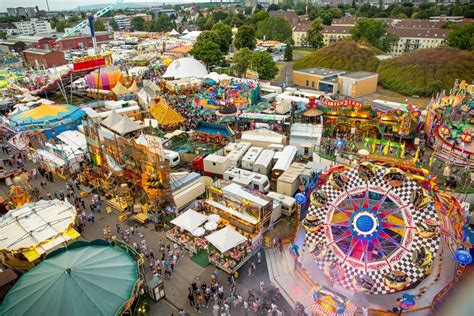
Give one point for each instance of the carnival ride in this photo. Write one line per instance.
(377, 230)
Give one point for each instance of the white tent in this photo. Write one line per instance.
(185, 68)
(126, 125)
(173, 33)
(185, 31)
(74, 139)
(189, 220)
(50, 158)
(19, 108)
(225, 239)
(43, 221)
(112, 119)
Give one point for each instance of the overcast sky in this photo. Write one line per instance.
(66, 4)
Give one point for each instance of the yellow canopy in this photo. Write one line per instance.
(31, 255)
(165, 115)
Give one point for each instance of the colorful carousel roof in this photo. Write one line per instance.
(46, 113)
(85, 279)
(373, 229)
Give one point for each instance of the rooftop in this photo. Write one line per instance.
(359, 74)
(302, 26)
(322, 72)
(419, 32)
(38, 51)
(337, 29)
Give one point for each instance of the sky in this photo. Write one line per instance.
(65, 4)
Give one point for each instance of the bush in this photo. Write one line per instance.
(342, 55)
(425, 72)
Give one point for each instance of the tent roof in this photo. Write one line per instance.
(189, 220)
(165, 114)
(119, 89)
(185, 31)
(226, 239)
(74, 139)
(184, 68)
(126, 125)
(88, 280)
(142, 140)
(112, 119)
(44, 113)
(34, 223)
(174, 32)
(133, 88)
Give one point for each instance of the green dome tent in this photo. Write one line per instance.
(83, 279)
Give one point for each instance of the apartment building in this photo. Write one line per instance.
(334, 33)
(34, 26)
(123, 22)
(410, 39)
(300, 33)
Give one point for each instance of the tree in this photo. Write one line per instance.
(288, 51)
(371, 31)
(200, 21)
(224, 33)
(163, 23)
(112, 23)
(259, 16)
(209, 23)
(245, 37)
(3, 35)
(286, 4)
(274, 28)
(241, 61)
(138, 23)
(462, 37)
(262, 62)
(99, 25)
(61, 25)
(315, 35)
(207, 52)
(208, 36)
(273, 7)
(149, 26)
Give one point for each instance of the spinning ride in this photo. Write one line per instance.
(373, 229)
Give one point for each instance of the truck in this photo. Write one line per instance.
(215, 165)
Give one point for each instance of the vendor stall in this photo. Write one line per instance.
(228, 249)
(185, 231)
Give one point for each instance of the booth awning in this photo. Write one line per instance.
(225, 239)
(189, 220)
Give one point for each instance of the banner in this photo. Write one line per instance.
(340, 103)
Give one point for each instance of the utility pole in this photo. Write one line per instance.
(47, 5)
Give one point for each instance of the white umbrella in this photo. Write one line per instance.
(210, 226)
(213, 218)
(363, 152)
(199, 232)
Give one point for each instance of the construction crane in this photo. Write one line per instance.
(84, 23)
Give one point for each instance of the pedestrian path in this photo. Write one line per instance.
(294, 284)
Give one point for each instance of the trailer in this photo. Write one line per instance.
(248, 179)
(284, 161)
(264, 162)
(250, 157)
(236, 155)
(287, 203)
(215, 165)
(289, 181)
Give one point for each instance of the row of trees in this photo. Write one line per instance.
(163, 23)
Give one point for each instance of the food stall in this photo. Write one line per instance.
(228, 249)
(184, 228)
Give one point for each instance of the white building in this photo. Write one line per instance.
(34, 26)
(410, 39)
(123, 21)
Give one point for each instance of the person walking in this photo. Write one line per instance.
(191, 299)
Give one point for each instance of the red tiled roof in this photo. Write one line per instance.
(416, 32)
(337, 29)
(302, 26)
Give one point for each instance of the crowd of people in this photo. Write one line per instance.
(213, 298)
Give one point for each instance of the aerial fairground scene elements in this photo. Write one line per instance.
(236, 158)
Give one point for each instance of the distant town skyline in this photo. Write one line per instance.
(55, 5)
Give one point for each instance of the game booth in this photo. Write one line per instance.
(33, 230)
(215, 133)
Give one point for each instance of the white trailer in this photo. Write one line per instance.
(236, 155)
(172, 157)
(215, 165)
(284, 161)
(250, 157)
(264, 162)
(288, 204)
(247, 178)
